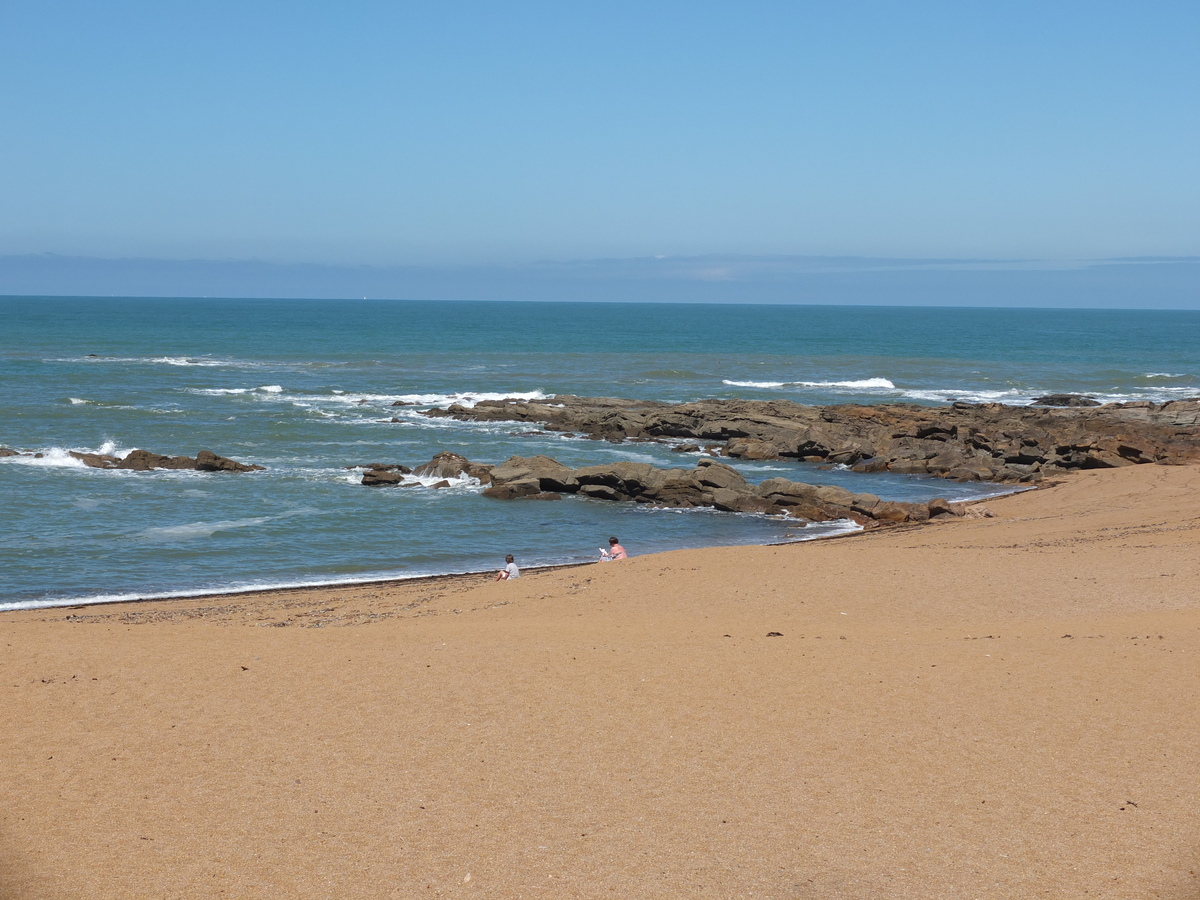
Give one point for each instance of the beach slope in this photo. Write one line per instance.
(999, 707)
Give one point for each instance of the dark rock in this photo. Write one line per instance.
(711, 484)
(513, 490)
(1065, 400)
(601, 492)
(384, 467)
(548, 474)
(144, 461)
(207, 461)
(383, 476)
(713, 474)
(874, 464)
(91, 460)
(940, 507)
(452, 465)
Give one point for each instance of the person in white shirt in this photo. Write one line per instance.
(510, 570)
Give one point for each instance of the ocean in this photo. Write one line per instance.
(306, 388)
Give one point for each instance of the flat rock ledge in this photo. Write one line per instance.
(710, 484)
(964, 441)
(144, 460)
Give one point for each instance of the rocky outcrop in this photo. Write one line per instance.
(207, 461)
(383, 474)
(444, 465)
(964, 441)
(710, 484)
(1064, 400)
(452, 465)
(144, 460)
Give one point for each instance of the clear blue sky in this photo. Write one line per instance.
(485, 132)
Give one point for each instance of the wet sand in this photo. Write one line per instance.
(992, 707)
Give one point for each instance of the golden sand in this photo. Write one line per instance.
(995, 707)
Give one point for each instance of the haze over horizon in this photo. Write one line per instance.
(536, 151)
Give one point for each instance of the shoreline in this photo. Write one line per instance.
(1002, 491)
(234, 592)
(996, 706)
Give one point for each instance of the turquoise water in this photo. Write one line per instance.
(305, 388)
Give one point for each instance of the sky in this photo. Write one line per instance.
(479, 134)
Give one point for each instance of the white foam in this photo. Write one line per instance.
(76, 401)
(463, 398)
(464, 481)
(185, 361)
(222, 392)
(60, 457)
(967, 395)
(863, 384)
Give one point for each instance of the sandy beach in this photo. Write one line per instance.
(984, 707)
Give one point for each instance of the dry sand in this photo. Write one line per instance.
(1000, 707)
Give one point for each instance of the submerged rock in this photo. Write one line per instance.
(1065, 400)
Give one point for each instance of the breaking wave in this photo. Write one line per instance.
(865, 384)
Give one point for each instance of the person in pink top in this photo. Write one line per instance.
(614, 551)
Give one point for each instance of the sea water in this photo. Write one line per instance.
(306, 388)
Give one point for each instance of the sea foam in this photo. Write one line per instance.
(865, 384)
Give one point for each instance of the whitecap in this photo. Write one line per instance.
(862, 384)
(185, 361)
(52, 458)
(463, 398)
(222, 392)
(463, 481)
(61, 458)
(969, 395)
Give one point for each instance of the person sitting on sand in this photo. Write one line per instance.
(614, 551)
(510, 570)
